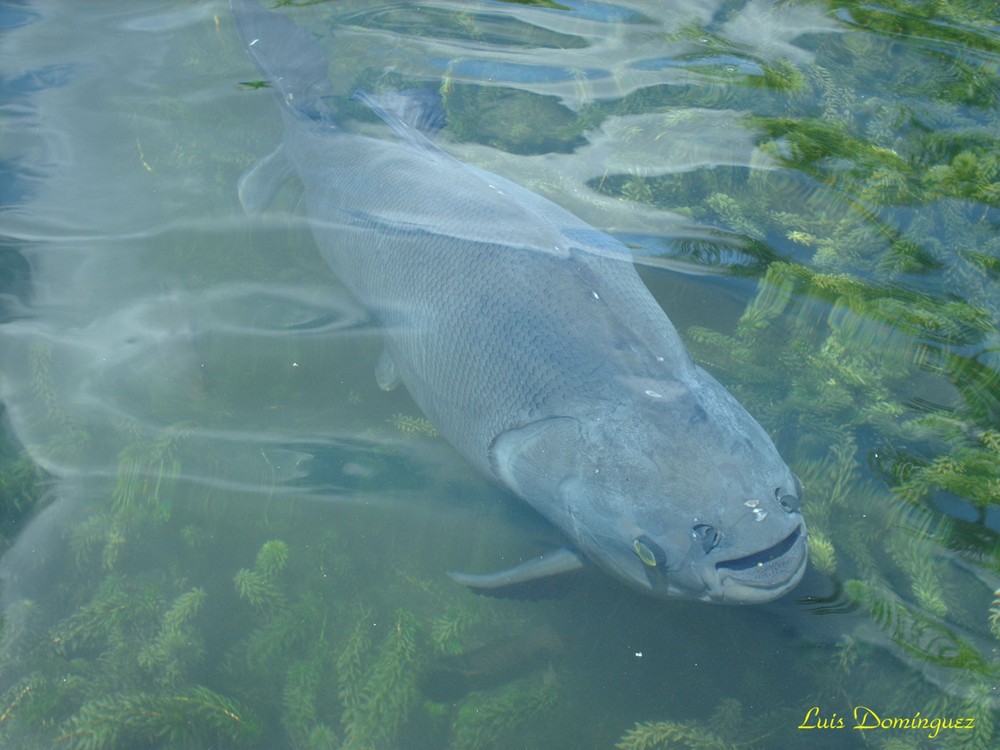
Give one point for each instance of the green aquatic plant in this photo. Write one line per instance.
(830, 348)
(830, 370)
(822, 553)
(128, 664)
(105, 619)
(728, 728)
(42, 381)
(915, 632)
(67, 435)
(512, 120)
(846, 378)
(448, 631)
(410, 425)
(659, 735)
(300, 715)
(22, 484)
(970, 471)
(836, 491)
(350, 663)
(259, 585)
(159, 719)
(492, 719)
(146, 469)
(178, 643)
(143, 467)
(120, 671)
(349, 677)
(283, 632)
(782, 76)
(973, 174)
(994, 615)
(378, 710)
(959, 673)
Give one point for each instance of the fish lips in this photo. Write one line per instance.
(761, 576)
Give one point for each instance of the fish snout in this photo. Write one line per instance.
(775, 564)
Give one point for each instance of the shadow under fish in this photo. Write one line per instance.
(452, 676)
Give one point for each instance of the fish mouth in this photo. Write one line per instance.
(768, 573)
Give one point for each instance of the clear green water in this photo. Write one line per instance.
(217, 530)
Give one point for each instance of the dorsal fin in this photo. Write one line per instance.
(294, 64)
(415, 115)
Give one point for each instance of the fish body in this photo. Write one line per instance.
(528, 339)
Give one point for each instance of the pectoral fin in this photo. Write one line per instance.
(260, 184)
(531, 579)
(386, 374)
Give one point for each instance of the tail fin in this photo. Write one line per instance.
(288, 57)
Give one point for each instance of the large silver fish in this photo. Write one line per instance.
(527, 338)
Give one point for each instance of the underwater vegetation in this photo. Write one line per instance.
(870, 349)
(21, 488)
(160, 637)
(411, 425)
(725, 729)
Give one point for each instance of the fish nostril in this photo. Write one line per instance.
(709, 536)
(790, 503)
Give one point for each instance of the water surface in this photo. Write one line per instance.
(218, 532)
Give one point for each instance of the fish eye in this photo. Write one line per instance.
(649, 552)
(709, 536)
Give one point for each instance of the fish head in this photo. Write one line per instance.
(675, 490)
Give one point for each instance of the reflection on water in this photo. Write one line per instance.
(239, 540)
